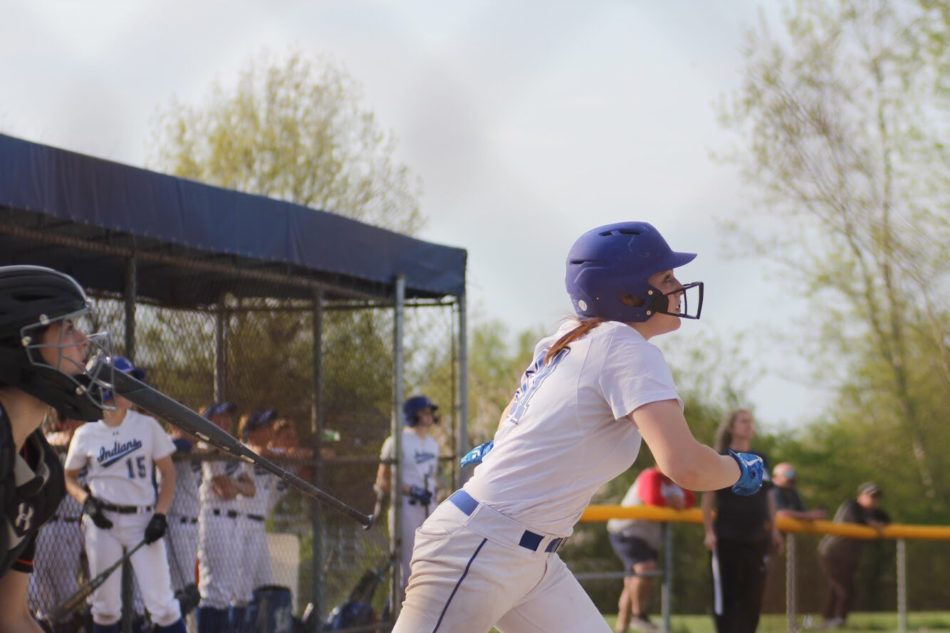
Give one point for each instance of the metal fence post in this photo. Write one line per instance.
(461, 442)
(901, 585)
(316, 428)
(131, 292)
(667, 595)
(791, 592)
(399, 306)
(220, 349)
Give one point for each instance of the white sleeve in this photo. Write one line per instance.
(75, 456)
(162, 445)
(387, 450)
(634, 374)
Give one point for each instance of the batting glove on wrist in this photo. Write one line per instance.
(477, 454)
(156, 528)
(751, 475)
(420, 495)
(93, 507)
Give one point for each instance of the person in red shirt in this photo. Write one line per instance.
(637, 544)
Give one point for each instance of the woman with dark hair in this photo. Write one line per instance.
(739, 536)
(487, 556)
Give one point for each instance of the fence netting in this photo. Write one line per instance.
(326, 367)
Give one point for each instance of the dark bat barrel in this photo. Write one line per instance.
(181, 416)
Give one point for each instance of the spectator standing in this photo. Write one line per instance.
(840, 555)
(637, 544)
(784, 493)
(739, 536)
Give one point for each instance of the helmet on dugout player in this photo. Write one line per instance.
(608, 271)
(412, 406)
(33, 299)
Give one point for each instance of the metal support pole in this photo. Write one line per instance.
(220, 349)
(399, 305)
(131, 294)
(316, 429)
(667, 592)
(791, 584)
(902, 585)
(462, 440)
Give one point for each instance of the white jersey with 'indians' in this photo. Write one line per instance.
(120, 459)
(420, 458)
(567, 432)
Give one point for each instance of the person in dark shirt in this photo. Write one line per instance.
(739, 537)
(42, 365)
(840, 555)
(784, 493)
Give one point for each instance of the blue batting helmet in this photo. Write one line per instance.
(608, 269)
(123, 364)
(412, 406)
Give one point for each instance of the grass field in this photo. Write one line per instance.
(917, 623)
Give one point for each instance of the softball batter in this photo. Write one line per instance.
(488, 555)
(121, 452)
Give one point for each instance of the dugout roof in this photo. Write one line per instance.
(86, 216)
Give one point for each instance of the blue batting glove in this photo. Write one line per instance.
(752, 473)
(477, 454)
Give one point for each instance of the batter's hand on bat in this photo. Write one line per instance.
(752, 473)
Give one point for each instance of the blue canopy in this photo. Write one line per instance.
(84, 215)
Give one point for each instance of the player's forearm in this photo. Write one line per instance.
(700, 468)
(73, 487)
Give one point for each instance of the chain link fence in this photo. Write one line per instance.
(327, 365)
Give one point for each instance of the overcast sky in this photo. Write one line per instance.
(527, 122)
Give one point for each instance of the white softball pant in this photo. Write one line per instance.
(104, 547)
(256, 560)
(477, 569)
(220, 552)
(182, 550)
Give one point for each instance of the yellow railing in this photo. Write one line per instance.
(600, 513)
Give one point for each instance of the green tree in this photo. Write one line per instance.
(841, 120)
(293, 130)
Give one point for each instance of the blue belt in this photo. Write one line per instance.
(529, 540)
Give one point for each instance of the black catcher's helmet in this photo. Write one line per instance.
(31, 299)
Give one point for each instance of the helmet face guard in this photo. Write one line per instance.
(660, 303)
(90, 376)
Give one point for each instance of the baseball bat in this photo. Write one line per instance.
(184, 418)
(76, 600)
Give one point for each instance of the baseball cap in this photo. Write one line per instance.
(259, 419)
(218, 408)
(870, 488)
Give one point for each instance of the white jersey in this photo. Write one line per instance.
(567, 432)
(269, 488)
(420, 459)
(211, 469)
(120, 459)
(187, 502)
